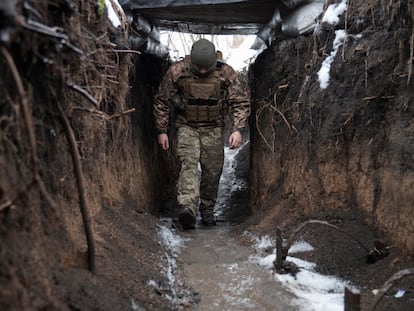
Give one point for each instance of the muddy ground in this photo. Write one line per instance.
(347, 164)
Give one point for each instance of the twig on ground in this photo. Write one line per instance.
(388, 284)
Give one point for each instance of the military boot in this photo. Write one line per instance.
(208, 219)
(187, 218)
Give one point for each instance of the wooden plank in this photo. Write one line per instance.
(151, 4)
(352, 300)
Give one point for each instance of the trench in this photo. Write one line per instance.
(216, 265)
(230, 268)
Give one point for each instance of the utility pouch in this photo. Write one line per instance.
(177, 103)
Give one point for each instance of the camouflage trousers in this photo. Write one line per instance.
(204, 146)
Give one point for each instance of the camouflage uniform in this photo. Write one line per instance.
(197, 142)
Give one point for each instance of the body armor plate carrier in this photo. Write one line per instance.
(202, 100)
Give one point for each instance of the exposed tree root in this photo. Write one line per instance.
(28, 121)
(86, 216)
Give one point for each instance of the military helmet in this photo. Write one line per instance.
(203, 55)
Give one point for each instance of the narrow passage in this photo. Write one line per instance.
(218, 268)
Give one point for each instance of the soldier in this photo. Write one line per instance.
(199, 89)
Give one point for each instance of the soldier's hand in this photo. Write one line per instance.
(235, 140)
(163, 141)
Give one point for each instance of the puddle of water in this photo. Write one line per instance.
(219, 268)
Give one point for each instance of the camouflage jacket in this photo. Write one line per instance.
(234, 95)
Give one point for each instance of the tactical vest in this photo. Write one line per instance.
(202, 99)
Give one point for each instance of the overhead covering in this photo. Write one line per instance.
(204, 17)
(266, 18)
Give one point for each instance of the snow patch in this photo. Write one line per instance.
(112, 15)
(323, 73)
(333, 12)
(170, 239)
(331, 16)
(173, 244)
(314, 292)
(300, 247)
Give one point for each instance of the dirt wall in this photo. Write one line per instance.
(84, 79)
(349, 146)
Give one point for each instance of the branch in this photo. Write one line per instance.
(324, 223)
(49, 31)
(127, 51)
(283, 250)
(258, 114)
(83, 92)
(280, 113)
(84, 208)
(120, 114)
(388, 284)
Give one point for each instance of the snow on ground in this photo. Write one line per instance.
(315, 292)
(173, 243)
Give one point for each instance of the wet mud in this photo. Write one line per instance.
(220, 269)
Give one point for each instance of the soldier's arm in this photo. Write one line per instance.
(161, 102)
(239, 100)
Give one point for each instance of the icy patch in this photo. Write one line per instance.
(170, 239)
(173, 244)
(314, 292)
(263, 242)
